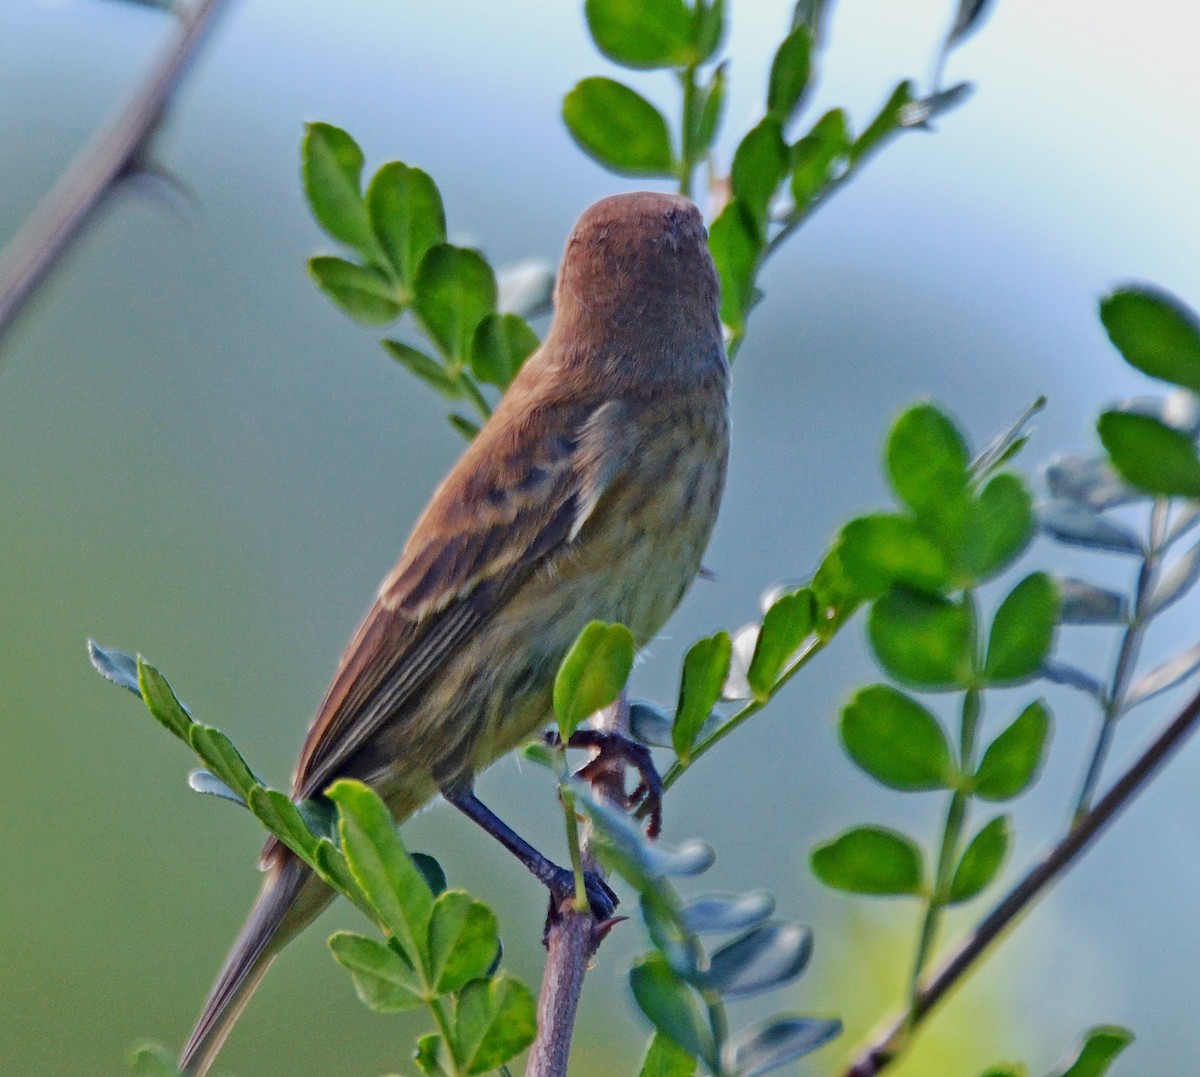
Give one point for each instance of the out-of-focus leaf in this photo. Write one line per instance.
(619, 128)
(1005, 445)
(968, 18)
(709, 107)
(708, 28)
(815, 156)
(406, 213)
(919, 112)
(494, 1021)
(764, 958)
(153, 1061)
(1061, 673)
(427, 1055)
(735, 242)
(525, 288)
(1079, 525)
(705, 668)
(1155, 333)
(665, 1058)
(501, 345)
(383, 980)
(384, 871)
(1023, 630)
(1163, 678)
(463, 940)
(1014, 758)
(1000, 525)
(1006, 1069)
(1187, 518)
(886, 549)
(429, 370)
(737, 684)
(592, 674)
(785, 627)
(1096, 1054)
(454, 290)
(365, 294)
(431, 871)
(870, 860)
(1088, 480)
(776, 1042)
(332, 167)
(671, 1006)
(636, 857)
(115, 666)
(1084, 603)
(923, 640)
(759, 165)
(896, 740)
(640, 35)
(719, 913)
(1178, 579)
(887, 120)
(791, 71)
(464, 426)
(981, 861)
(927, 458)
(1150, 454)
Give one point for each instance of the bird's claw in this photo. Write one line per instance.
(602, 899)
(616, 748)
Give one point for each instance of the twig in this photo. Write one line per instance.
(572, 939)
(888, 1047)
(114, 151)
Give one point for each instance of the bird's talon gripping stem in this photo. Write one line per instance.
(615, 748)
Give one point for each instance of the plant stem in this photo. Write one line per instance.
(1127, 656)
(443, 1023)
(887, 1047)
(471, 388)
(115, 151)
(568, 802)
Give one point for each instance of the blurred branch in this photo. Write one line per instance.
(888, 1047)
(573, 938)
(115, 151)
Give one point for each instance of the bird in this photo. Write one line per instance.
(589, 494)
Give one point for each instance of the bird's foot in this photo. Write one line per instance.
(615, 750)
(602, 899)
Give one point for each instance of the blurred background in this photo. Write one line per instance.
(201, 460)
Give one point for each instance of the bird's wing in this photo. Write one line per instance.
(507, 506)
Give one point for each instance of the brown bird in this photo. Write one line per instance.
(590, 494)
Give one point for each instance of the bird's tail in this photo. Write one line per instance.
(291, 898)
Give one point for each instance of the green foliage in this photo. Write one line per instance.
(640, 35)
(870, 860)
(153, 1061)
(1155, 333)
(896, 740)
(785, 627)
(1022, 631)
(592, 674)
(665, 1058)
(1093, 1058)
(619, 128)
(981, 861)
(455, 289)
(1150, 455)
(705, 668)
(1012, 760)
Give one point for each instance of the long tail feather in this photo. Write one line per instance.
(291, 898)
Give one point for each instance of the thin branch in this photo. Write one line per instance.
(114, 151)
(573, 938)
(888, 1047)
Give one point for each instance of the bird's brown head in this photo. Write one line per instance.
(637, 283)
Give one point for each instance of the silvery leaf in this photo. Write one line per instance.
(762, 959)
(777, 1042)
(1187, 518)
(737, 684)
(1172, 672)
(1084, 603)
(998, 448)
(734, 912)
(1179, 409)
(1178, 579)
(1078, 525)
(1060, 673)
(919, 113)
(205, 781)
(650, 725)
(1088, 480)
(525, 288)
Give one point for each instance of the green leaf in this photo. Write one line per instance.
(1023, 630)
(501, 345)
(671, 1007)
(815, 155)
(277, 812)
(710, 103)
(360, 291)
(619, 128)
(896, 740)
(463, 425)
(386, 874)
(406, 213)
(981, 861)
(332, 164)
(455, 289)
(153, 1061)
(161, 701)
(422, 366)
(665, 1058)
(1010, 1069)
(427, 1055)
(384, 982)
(885, 122)
(735, 241)
(778, 1041)
(1013, 759)
(927, 458)
(494, 1021)
(759, 165)
(115, 666)
(223, 759)
(705, 668)
(870, 860)
(1155, 333)
(886, 549)
(1151, 455)
(640, 35)
(923, 640)
(1100, 1047)
(463, 941)
(1000, 525)
(592, 674)
(791, 71)
(433, 872)
(785, 627)
(708, 28)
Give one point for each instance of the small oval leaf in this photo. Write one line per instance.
(762, 959)
(778, 1041)
(1155, 333)
(1084, 603)
(1013, 759)
(1023, 630)
(981, 861)
(870, 860)
(1079, 525)
(671, 1006)
(619, 128)
(454, 290)
(1151, 455)
(734, 912)
(922, 640)
(384, 982)
(705, 668)
(592, 674)
(896, 740)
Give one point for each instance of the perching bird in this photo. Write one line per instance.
(590, 494)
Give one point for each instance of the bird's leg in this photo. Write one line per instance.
(616, 748)
(559, 881)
